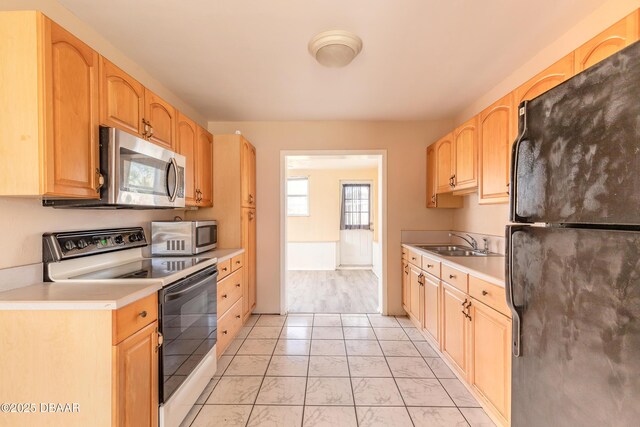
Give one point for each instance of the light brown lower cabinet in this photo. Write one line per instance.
(454, 342)
(248, 227)
(490, 362)
(468, 321)
(232, 297)
(104, 363)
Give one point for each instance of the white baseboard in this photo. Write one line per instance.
(312, 256)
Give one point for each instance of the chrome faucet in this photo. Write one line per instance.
(471, 241)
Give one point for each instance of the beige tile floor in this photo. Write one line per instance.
(333, 370)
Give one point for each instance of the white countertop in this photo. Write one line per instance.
(75, 296)
(94, 295)
(489, 268)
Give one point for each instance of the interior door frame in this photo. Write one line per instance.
(344, 182)
(381, 212)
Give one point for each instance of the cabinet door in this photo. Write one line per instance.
(71, 167)
(187, 137)
(431, 322)
(490, 370)
(618, 36)
(248, 174)
(465, 143)
(454, 327)
(405, 285)
(444, 164)
(136, 379)
(249, 245)
(162, 118)
(543, 81)
(205, 167)
(497, 134)
(121, 99)
(431, 176)
(415, 294)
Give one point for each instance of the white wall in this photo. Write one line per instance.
(312, 256)
(405, 143)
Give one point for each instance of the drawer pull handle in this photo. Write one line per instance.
(429, 265)
(238, 262)
(485, 293)
(225, 332)
(237, 316)
(237, 285)
(143, 313)
(225, 296)
(413, 258)
(452, 276)
(224, 268)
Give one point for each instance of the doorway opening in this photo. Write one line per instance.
(333, 221)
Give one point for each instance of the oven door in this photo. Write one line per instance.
(188, 323)
(205, 235)
(144, 174)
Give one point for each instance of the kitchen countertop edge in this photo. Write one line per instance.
(454, 262)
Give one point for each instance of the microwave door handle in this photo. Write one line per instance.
(176, 295)
(172, 195)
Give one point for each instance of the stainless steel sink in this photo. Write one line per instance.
(454, 250)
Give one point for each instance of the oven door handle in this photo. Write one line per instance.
(176, 295)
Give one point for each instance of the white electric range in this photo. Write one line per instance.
(187, 312)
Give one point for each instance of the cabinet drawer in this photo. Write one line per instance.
(414, 258)
(490, 294)
(228, 326)
(229, 291)
(237, 262)
(455, 277)
(431, 265)
(133, 317)
(224, 269)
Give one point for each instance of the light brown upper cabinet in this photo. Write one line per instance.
(195, 144)
(187, 146)
(437, 200)
(618, 36)
(121, 99)
(248, 173)
(465, 142)
(444, 164)
(496, 136)
(545, 80)
(160, 120)
(50, 121)
(204, 167)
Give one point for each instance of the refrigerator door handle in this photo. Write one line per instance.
(515, 152)
(515, 313)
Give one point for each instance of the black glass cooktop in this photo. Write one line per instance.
(148, 268)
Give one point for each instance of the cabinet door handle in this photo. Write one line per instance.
(452, 276)
(143, 314)
(251, 215)
(485, 293)
(250, 198)
(225, 296)
(237, 285)
(225, 332)
(237, 316)
(453, 180)
(465, 302)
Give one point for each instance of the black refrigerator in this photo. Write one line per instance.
(573, 251)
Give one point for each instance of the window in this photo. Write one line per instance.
(356, 207)
(298, 197)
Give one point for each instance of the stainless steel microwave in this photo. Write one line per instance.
(183, 237)
(135, 174)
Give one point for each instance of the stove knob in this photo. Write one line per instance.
(82, 243)
(118, 239)
(133, 238)
(69, 245)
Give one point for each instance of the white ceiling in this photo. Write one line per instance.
(248, 59)
(349, 161)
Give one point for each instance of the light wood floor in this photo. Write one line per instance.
(342, 291)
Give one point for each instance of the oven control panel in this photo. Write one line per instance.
(65, 245)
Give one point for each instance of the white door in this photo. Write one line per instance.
(356, 247)
(356, 235)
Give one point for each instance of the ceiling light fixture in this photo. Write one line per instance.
(335, 48)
